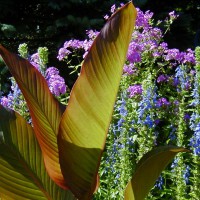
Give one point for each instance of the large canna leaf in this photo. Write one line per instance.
(44, 109)
(22, 170)
(148, 170)
(85, 122)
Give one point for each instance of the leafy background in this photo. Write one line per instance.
(50, 23)
(191, 43)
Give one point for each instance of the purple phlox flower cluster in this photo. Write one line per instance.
(189, 57)
(179, 57)
(163, 46)
(62, 53)
(159, 182)
(158, 49)
(151, 46)
(35, 58)
(106, 16)
(92, 34)
(186, 175)
(154, 33)
(7, 101)
(193, 72)
(71, 45)
(173, 15)
(143, 19)
(135, 90)
(145, 41)
(37, 66)
(67, 47)
(113, 8)
(174, 54)
(156, 54)
(74, 44)
(55, 82)
(129, 69)
(134, 52)
(183, 77)
(86, 44)
(162, 78)
(35, 61)
(162, 102)
(134, 56)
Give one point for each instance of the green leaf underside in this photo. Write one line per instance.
(44, 109)
(22, 170)
(148, 170)
(85, 122)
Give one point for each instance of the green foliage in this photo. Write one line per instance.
(148, 170)
(8, 30)
(49, 23)
(67, 142)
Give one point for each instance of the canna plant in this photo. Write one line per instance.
(57, 156)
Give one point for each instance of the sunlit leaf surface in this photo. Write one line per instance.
(44, 109)
(22, 170)
(148, 170)
(85, 122)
